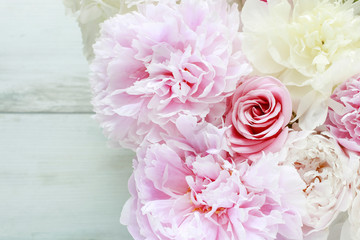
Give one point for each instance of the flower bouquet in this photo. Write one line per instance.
(244, 115)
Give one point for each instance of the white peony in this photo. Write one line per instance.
(311, 45)
(328, 172)
(90, 14)
(72, 5)
(354, 211)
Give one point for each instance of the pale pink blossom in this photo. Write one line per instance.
(167, 59)
(185, 190)
(260, 110)
(343, 119)
(328, 172)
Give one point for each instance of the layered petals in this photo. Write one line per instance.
(188, 191)
(258, 114)
(343, 119)
(166, 60)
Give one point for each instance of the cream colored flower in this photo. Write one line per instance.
(328, 172)
(354, 212)
(72, 5)
(90, 14)
(311, 45)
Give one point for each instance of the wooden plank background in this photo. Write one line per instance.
(58, 178)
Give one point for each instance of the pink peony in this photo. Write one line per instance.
(343, 119)
(166, 60)
(259, 111)
(184, 190)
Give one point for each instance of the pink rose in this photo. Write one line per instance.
(343, 120)
(259, 112)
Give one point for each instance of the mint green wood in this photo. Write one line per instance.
(58, 178)
(41, 64)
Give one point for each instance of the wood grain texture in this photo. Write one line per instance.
(42, 68)
(59, 180)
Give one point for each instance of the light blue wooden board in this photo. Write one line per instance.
(42, 68)
(59, 180)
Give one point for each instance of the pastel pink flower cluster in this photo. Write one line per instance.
(219, 151)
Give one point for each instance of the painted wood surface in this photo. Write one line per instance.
(58, 178)
(41, 64)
